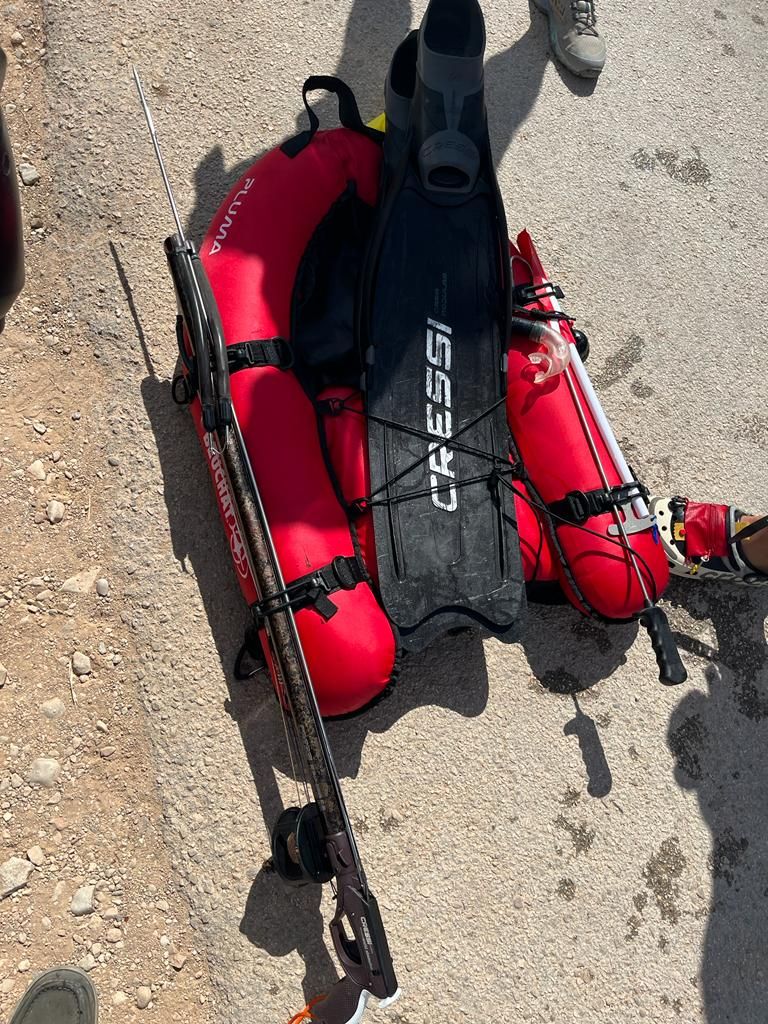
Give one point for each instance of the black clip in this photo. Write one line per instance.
(526, 294)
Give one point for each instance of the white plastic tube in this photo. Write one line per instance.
(606, 432)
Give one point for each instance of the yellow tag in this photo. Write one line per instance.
(679, 531)
(379, 123)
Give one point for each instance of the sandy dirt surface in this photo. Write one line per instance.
(553, 836)
(80, 810)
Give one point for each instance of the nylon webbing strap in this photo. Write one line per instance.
(313, 590)
(579, 506)
(246, 355)
(349, 114)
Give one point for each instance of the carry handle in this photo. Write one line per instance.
(349, 113)
(671, 669)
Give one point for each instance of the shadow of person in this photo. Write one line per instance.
(718, 740)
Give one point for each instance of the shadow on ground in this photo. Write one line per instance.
(513, 78)
(718, 740)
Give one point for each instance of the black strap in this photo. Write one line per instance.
(253, 652)
(579, 506)
(312, 590)
(245, 355)
(349, 114)
(751, 530)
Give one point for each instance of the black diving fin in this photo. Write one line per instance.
(433, 312)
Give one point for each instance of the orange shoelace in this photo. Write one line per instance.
(306, 1013)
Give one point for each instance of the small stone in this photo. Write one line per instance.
(56, 456)
(29, 174)
(36, 223)
(119, 999)
(46, 923)
(113, 460)
(59, 823)
(3, 674)
(24, 966)
(112, 914)
(36, 855)
(82, 901)
(53, 708)
(36, 470)
(102, 587)
(44, 771)
(143, 996)
(54, 511)
(81, 663)
(107, 751)
(87, 963)
(17, 39)
(101, 726)
(13, 875)
(81, 583)
(39, 427)
(113, 935)
(177, 961)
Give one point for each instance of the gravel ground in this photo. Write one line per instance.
(553, 835)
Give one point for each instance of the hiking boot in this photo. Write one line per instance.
(573, 35)
(64, 995)
(707, 541)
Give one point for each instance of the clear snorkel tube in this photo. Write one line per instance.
(558, 350)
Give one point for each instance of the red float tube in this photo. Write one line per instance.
(562, 441)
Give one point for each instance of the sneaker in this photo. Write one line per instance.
(702, 540)
(573, 35)
(64, 995)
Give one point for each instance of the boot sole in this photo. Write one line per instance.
(64, 977)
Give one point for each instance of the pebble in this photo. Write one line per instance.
(36, 223)
(81, 582)
(29, 174)
(17, 39)
(143, 996)
(102, 587)
(101, 726)
(113, 935)
(37, 470)
(82, 901)
(13, 875)
(177, 961)
(6, 986)
(81, 663)
(3, 674)
(39, 427)
(53, 708)
(54, 511)
(107, 751)
(36, 855)
(24, 966)
(56, 456)
(44, 771)
(119, 999)
(87, 963)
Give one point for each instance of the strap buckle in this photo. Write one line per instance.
(526, 294)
